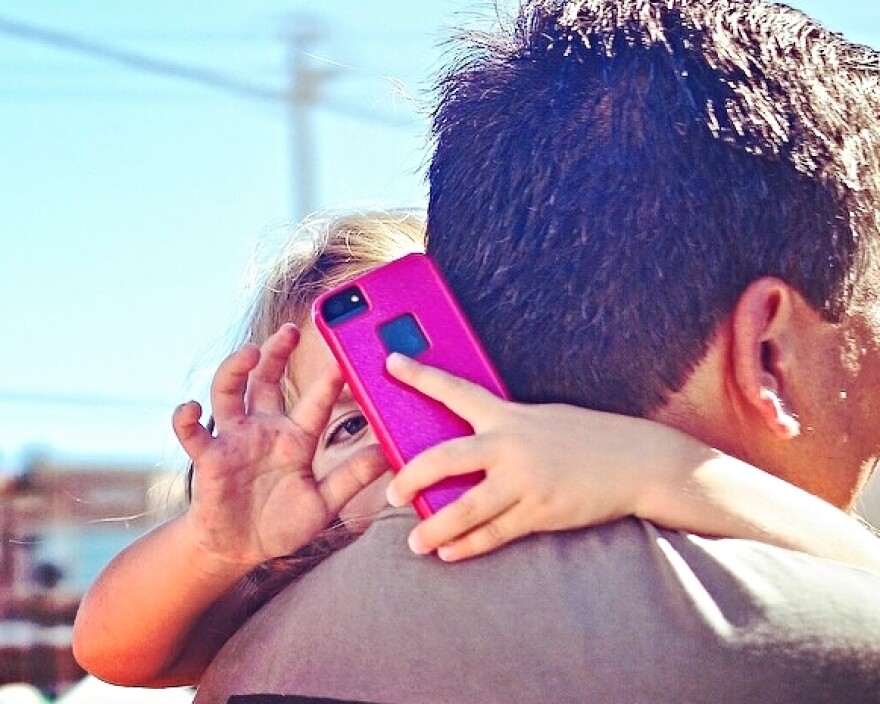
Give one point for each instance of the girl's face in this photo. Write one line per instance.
(346, 433)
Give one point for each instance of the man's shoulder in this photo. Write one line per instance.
(615, 613)
(637, 553)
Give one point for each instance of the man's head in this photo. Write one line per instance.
(611, 177)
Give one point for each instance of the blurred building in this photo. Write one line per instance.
(61, 521)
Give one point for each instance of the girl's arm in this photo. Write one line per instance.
(161, 609)
(147, 619)
(555, 467)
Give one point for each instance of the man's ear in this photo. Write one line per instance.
(763, 333)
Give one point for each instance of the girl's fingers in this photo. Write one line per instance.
(264, 383)
(464, 398)
(477, 507)
(502, 529)
(230, 382)
(311, 412)
(351, 476)
(194, 438)
(448, 459)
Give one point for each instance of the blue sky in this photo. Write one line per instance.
(145, 152)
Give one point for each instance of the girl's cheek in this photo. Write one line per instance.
(326, 458)
(322, 463)
(360, 512)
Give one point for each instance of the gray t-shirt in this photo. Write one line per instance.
(622, 613)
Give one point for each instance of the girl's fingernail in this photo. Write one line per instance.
(444, 553)
(393, 497)
(396, 359)
(415, 544)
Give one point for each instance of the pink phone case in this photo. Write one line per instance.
(405, 306)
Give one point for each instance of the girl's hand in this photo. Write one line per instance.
(254, 494)
(545, 467)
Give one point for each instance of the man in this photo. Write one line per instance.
(662, 208)
(691, 210)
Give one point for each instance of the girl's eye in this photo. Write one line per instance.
(346, 429)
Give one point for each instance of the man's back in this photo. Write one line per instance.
(623, 613)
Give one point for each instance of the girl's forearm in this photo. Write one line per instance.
(708, 492)
(136, 624)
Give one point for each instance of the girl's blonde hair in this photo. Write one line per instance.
(325, 250)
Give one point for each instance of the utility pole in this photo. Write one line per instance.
(304, 83)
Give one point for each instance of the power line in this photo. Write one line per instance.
(141, 62)
(209, 78)
(306, 75)
(56, 399)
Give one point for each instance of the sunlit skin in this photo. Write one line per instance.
(860, 362)
(787, 390)
(261, 460)
(837, 398)
(346, 433)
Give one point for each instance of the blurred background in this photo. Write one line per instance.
(147, 149)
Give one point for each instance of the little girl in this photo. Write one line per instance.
(289, 472)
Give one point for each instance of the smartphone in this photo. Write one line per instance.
(405, 306)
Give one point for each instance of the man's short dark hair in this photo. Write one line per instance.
(609, 176)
